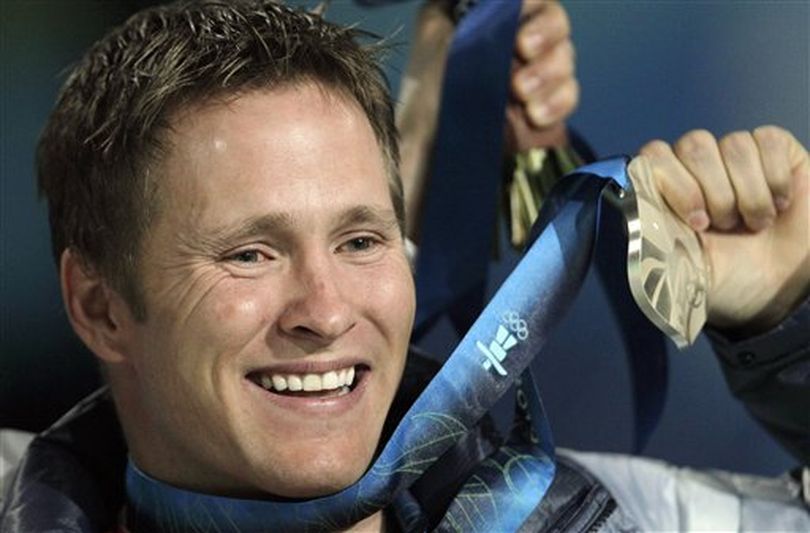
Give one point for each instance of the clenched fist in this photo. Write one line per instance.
(545, 91)
(747, 197)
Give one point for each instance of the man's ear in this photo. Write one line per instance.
(98, 314)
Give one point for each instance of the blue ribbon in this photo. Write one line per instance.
(466, 168)
(645, 346)
(462, 204)
(490, 358)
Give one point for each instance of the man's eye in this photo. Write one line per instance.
(360, 244)
(247, 256)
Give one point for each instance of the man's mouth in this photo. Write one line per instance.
(333, 383)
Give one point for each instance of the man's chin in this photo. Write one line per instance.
(312, 486)
(313, 473)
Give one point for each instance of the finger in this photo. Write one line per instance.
(537, 78)
(741, 158)
(561, 103)
(530, 7)
(542, 30)
(774, 144)
(678, 187)
(699, 153)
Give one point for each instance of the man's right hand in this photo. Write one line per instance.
(748, 197)
(545, 91)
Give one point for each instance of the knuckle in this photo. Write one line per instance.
(735, 144)
(566, 97)
(696, 144)
(567, 51)
(531, 7)
(561, 61)
(565, 23)
(568, 70)
(575, 90)
(770, 135)
(772, 140)
(560, 17)
(655, 148)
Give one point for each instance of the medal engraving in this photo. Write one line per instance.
(665, 265)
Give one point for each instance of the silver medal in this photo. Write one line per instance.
(665, 265)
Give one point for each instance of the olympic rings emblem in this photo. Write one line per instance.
(515, 324)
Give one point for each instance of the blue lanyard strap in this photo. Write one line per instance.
(491, 357)
(465, 176)
(466, 166)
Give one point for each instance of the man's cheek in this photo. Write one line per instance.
(237, 310)
(392, 288)
(228, 320)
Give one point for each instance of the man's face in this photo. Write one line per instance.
(275, 263)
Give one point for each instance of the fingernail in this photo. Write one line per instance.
(698, 220)
(782, 203)
(539, 113)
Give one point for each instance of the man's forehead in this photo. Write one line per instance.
(294, 97)
(269, 142)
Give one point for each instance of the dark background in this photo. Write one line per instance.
(648, 69)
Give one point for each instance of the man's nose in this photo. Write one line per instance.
(318, 310)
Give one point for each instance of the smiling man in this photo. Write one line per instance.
(230, 235)
(226, 210)
(277, 294)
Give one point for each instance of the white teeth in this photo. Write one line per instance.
(312, 382)
(294, 383)
(267, 383)
(279, 383)
(331, 380)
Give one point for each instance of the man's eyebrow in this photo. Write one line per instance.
(227, 235)
(364, 214)
(281, 224)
